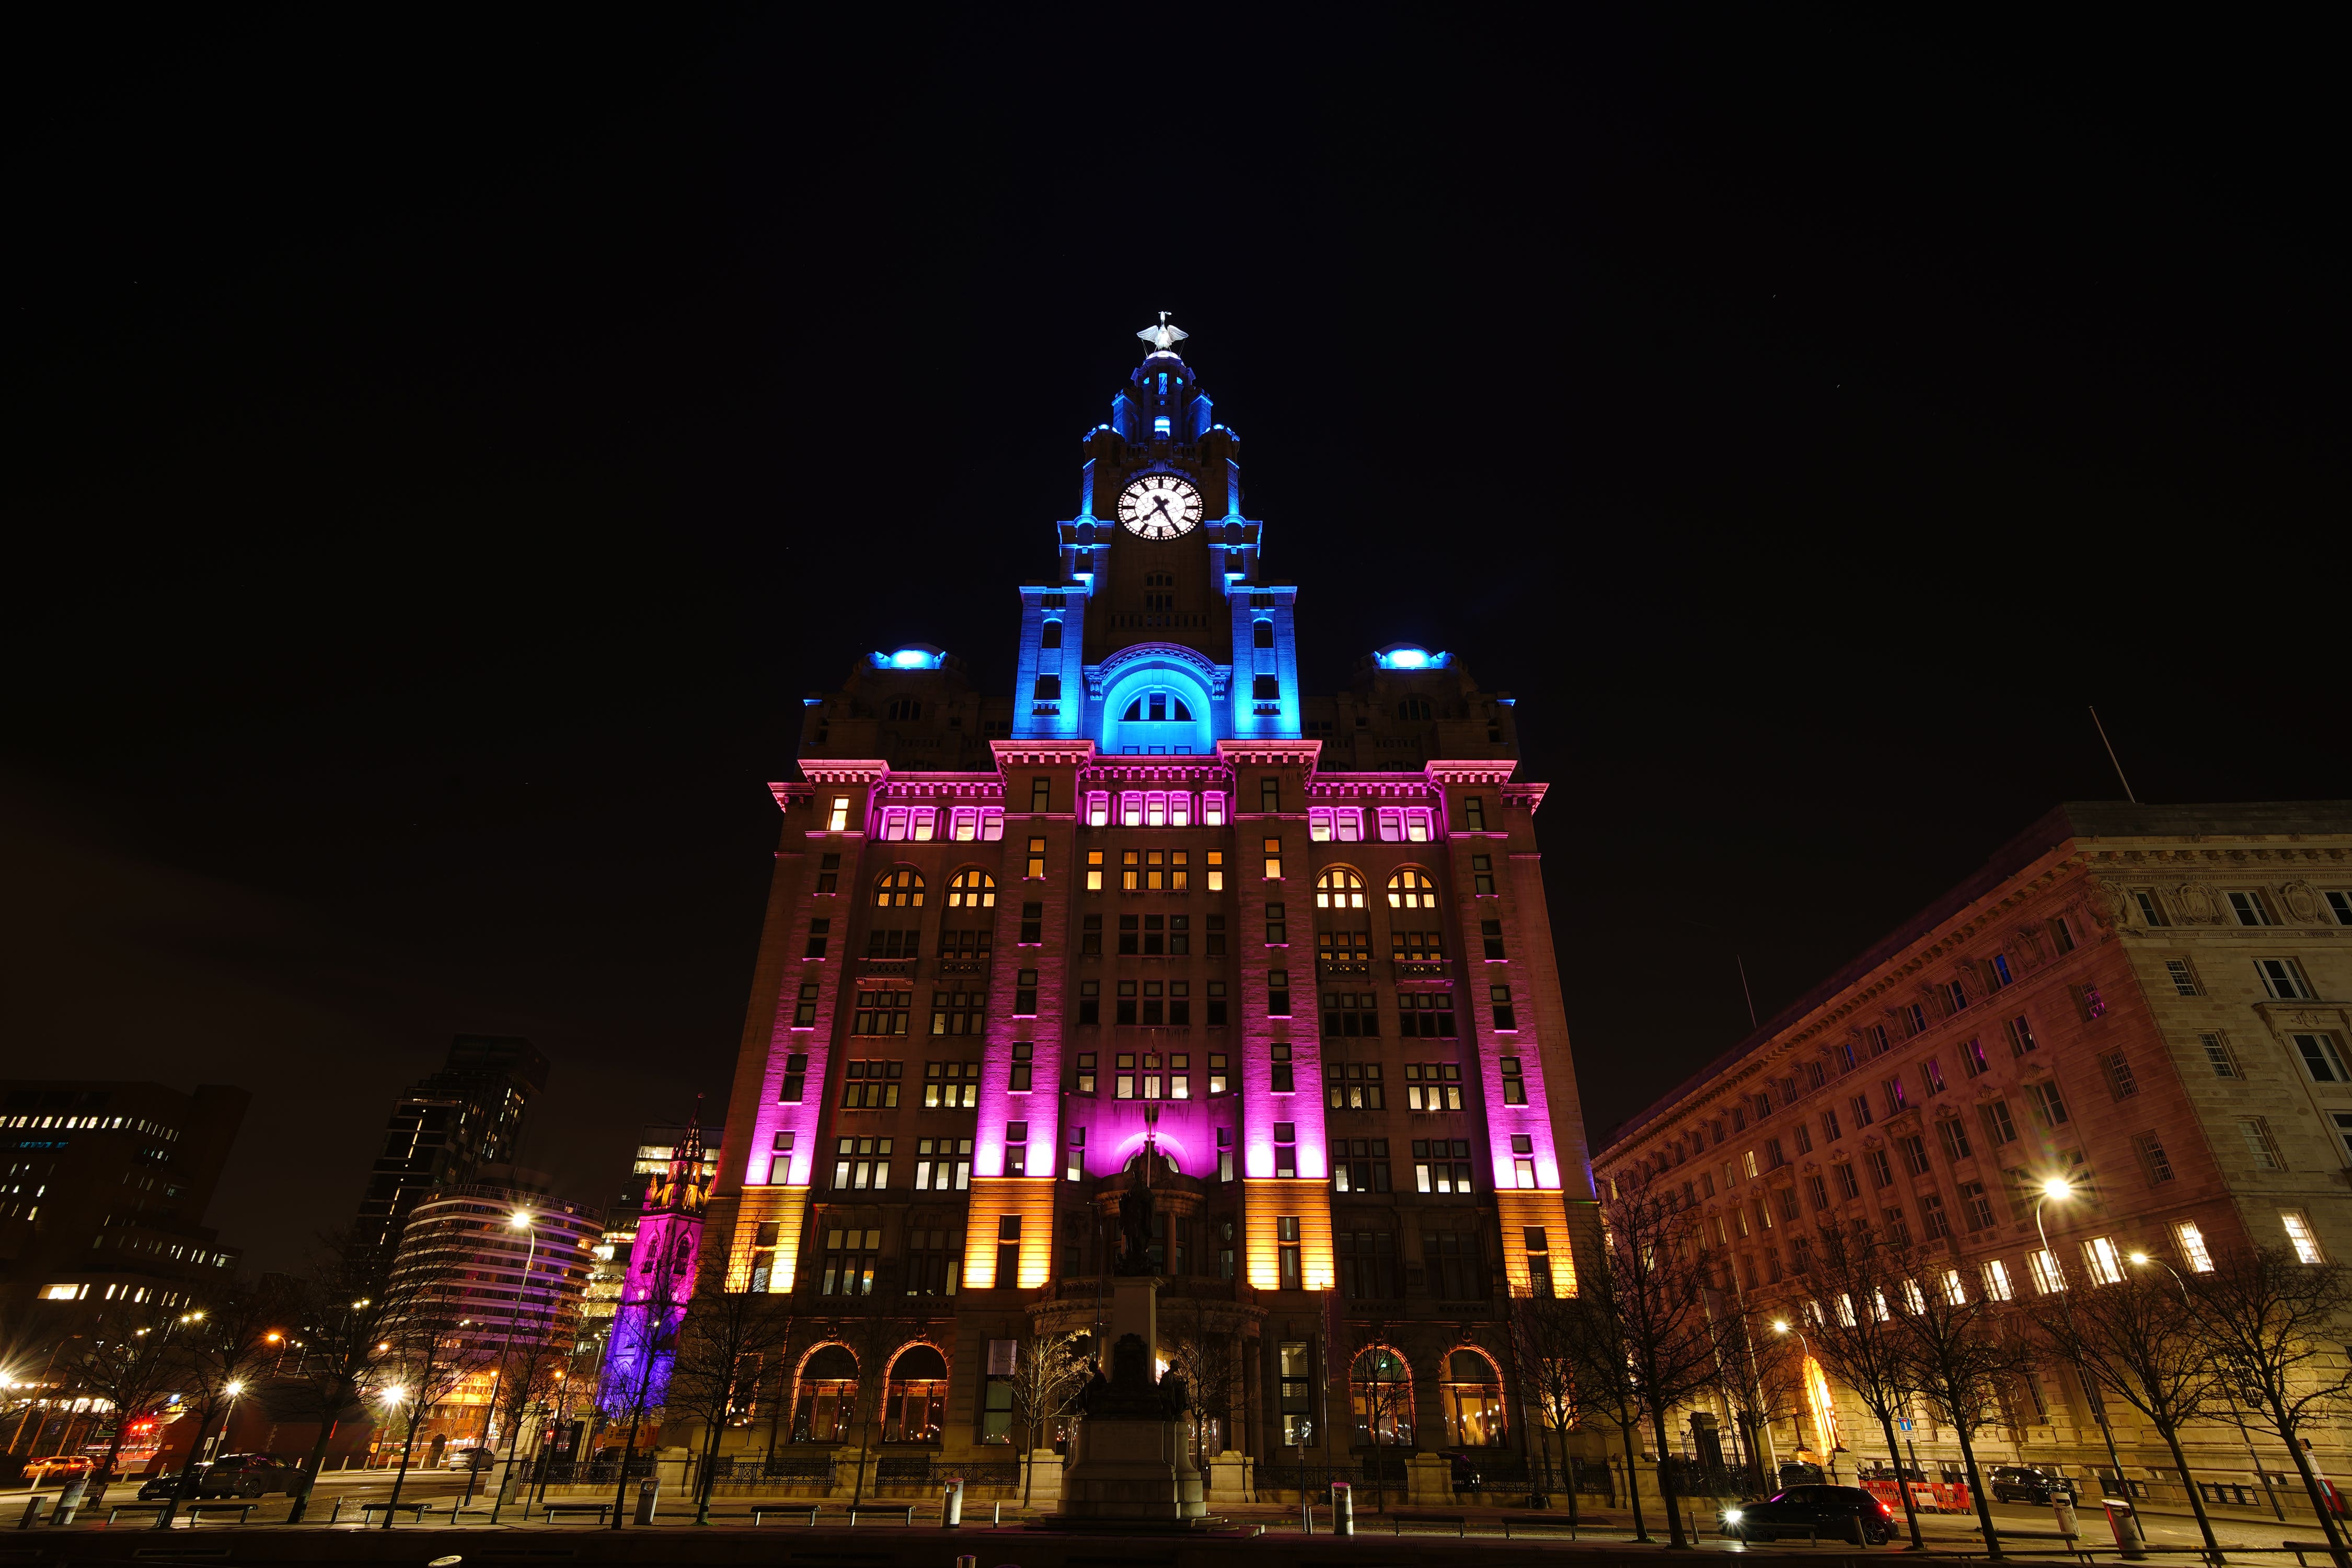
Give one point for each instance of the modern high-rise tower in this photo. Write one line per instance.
(1160, 902)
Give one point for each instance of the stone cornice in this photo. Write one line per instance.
(787, 793)
(1040, 753)
(1162, 771)
(1489, 771)
(1328, 787)
(1306, 755)
(845, 770)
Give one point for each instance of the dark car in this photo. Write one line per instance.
(1828, 1511)
(2022, 1483)
(231, 1475)
(1465, 1468)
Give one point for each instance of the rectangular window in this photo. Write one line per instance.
(1972, 1058)
(1818, 1190)
(1089, 1001)
(1278, 931)
(2150, 909)
(1016, 1148)
(2121, 1083)
(819, 930)
(804, 1009)
(1297, 1379)
(828, 878)
(1269, 793)
(837, 816)
(1882, 1173)
(1975, 1205)
(2184, 979)
(1224, 1153)
(1318, 823)
(1830, 1127)
(2250, 910)
(1216, 1072)
(1098, 808)
(2103, 1261)
(1212, 813)
(2321, 1059)
(1277, 994)
(2218, 1056)
(1999, 1127)
(871, 1086)
(1804, 1136)
(795, 1080)
(2256, 1133)
(2300, 1234)
(1280, 1070)
(1285, 1150)
(1024, 993)
(2150, 1150)
(2021, 1035)
(1894, 1100)
(1474, 817)
(1023, 1053)
(1848, 1187)
(1391, 823)
(2283, 979)
(1931, 1074)
(2047, 1108)
(1915, 1154)
(1954, 1133)
(1094, 870)
(1084, 1078)
(1898, 1232)
(2191, 1242)
(2339, 904)
(1861, 1104)
(1271, 850)
(1933, 1220)
(1482, 875)
(1217, 1004)
(1506, 1016)
(2062, 936)
(1515, 1087)
(2049, 1280)
(1996, 1281)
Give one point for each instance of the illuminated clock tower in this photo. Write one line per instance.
(1159, 914)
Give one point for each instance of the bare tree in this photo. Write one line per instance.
(2138, 1339)
(527, 1383)
(1049, 1372)
(125, 1359)
(643, 1345)
(1653, 1292)
(2274, 1328)
(1210, 1371)
(1543, 1355)
(1959, 1344)
(721, 1348)
(1853, 1331)
(426, 1356)
(344, 1319)
(222, 1345)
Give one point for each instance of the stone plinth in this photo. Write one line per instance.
(1129, 1468)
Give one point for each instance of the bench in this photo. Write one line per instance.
(555, 1510)
(795, 1509)
(2069, 1542)
(1538, 1521)
(244, 1510)
(121, 1507)
(1397, 1521)
(904, 1512)
(2299, 1548)
(414, 1510)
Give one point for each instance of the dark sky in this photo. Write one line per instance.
(441, 451)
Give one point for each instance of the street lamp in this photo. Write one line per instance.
(519, 1220)
(2060, 1189)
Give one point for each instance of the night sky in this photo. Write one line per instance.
(441, 454)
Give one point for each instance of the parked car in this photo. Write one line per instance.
(231, 1475)
(1829, 1510)
(2023, 1483)
(1465, 1464)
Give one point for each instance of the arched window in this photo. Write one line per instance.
(1412, 889)
(1262, 635)
(828, 1397)
(1050, 637)
(1379, 1391)
(917, 1399)
(899, 890)
(1086, 534)
(1340, 888)
(1157, 708)
(970, 890)
(1474, 1401)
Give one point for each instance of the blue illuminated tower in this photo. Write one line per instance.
(1172, 620)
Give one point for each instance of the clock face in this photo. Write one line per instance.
(1159, 506)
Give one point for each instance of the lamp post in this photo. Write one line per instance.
(2060, 1189)
(1782, 1326)
(2237, 1417)
(519, 1220)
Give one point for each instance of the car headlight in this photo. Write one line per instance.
(1731, 1516)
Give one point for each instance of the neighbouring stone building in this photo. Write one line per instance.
(2150, 1001)
(1157, 904)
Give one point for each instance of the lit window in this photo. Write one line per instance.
(1098, 808)
(1273, 850)
(972, 891)
(1412, 889)
(898, 891)
(2191, 1241)
(2049, 1280)
(1179, 811)
(837, 820)
(1996, 1278)
(1213, 809)
(2104, 1264)
(1340, 888)
(1131, 809)
(2299, 1232)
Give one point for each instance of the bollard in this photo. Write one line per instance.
(32, 1511)
(2062, 1505)
(649, 1494)
(967, 1562)
(336, 1517)
(2129, 1544)
(1305, 1515)
(996, 1516)
(951, 1504)
(1343, 1509)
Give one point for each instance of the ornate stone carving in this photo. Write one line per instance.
(2198, 904)
(2108, 904)
(2301, 901)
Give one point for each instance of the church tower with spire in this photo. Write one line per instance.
(1157, 903)
(664, 1265)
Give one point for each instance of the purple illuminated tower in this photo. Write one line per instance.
(1158, 890)
(660, 1283)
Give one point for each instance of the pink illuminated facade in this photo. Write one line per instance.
(1158, 898)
